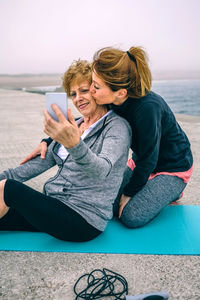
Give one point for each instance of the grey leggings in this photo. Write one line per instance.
(147, 203)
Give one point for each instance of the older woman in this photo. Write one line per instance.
(91, 155)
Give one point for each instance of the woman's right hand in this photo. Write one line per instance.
(41, 150)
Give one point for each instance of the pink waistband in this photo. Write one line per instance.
(183, 175)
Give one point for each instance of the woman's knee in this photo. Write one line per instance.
(3, 207)
(133, 219)
(2, 185)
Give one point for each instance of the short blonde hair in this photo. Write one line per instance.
(124, 69)
(79, 71)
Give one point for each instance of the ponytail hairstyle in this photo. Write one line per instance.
(124, 69)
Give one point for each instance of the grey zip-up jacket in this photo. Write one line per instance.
(89, 179)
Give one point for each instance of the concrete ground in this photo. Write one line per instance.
(41, 275)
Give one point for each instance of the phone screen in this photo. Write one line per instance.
(60, 99)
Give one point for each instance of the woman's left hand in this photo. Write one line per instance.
(123, 201)
(64, 131)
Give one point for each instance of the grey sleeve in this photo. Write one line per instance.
(116, 143)
(30, 169)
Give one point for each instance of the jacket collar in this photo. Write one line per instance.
(104, 121)
(96, 130)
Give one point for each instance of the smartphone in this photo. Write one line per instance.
(60, 99)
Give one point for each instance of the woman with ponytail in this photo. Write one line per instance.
(161, 164)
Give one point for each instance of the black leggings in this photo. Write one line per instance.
(31, 210)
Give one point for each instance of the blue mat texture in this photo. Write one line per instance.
(176, 231)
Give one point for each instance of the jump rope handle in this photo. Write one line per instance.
(151, 296)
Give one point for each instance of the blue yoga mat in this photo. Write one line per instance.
(176, 230)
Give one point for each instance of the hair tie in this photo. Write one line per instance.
(131, 56)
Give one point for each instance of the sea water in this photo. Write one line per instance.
(183, 96)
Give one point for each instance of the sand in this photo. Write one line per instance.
(26, 81)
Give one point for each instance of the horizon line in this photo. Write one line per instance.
(57, 73)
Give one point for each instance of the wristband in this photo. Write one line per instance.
(48, 141)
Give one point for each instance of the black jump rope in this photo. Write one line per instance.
(103, 283)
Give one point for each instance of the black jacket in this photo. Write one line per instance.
(158, 142)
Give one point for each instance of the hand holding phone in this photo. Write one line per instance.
(60, 99)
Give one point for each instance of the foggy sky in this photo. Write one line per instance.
(44, 36)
